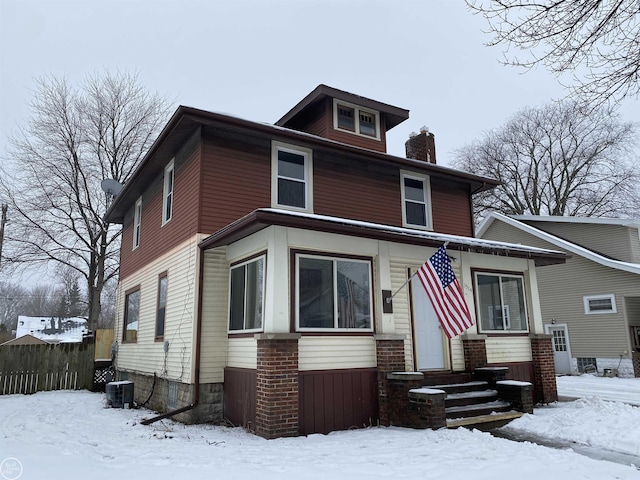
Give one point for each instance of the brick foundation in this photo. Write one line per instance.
(635, 357)
(544, 369)
(475, 351)
(277, 399)
(389, 358)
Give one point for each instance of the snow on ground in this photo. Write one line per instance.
(615, 389)
(72, 435)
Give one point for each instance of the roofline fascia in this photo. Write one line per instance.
(571, 247)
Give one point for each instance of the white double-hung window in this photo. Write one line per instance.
(416, 201)
(291, 178)
(167, 192)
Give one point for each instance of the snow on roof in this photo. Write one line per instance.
(53, 329)
(442, 237)
(559, 242)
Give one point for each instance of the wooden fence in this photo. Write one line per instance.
(34, 368)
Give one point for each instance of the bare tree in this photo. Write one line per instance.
(560, 159)
(602, 37)
(74, 139)
(12, 299)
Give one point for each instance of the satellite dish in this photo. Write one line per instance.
(111, 187)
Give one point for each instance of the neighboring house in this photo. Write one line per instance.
(25, 340)
(590, 304)
(256, 260)
(53, 329)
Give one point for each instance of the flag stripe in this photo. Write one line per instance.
(445, 293)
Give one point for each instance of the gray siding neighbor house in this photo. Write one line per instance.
(591, 303)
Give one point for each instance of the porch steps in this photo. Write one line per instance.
(475, 404)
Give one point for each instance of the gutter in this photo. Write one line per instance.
(196, 391)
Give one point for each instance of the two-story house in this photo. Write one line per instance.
(256, 261)
(591, 303)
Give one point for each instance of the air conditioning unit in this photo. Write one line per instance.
(119, 394)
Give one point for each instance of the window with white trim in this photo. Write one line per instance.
(500, 302)
(291, 179)
(167, 192)
(416, 201)
(131, 315)
(354, 119)
(137, 216)
(246, 295)
(596, 304)
(333, 294)
(161, 305)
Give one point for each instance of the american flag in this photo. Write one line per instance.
(445, 293)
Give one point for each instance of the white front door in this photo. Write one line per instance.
(428, 336)
(561, 350)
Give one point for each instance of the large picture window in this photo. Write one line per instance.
(416, 207)
(501, 303)
(246, 303)
(333, 293)
(131, 315)
(292, 177)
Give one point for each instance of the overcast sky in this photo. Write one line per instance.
(256, 59)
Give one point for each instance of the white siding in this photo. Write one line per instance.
(147, 355)
(326, 353)
(243, 352)
(215, 289)
(508, 349)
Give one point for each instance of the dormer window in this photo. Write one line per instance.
(354, 119)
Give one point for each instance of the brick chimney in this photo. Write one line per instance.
(421, 146)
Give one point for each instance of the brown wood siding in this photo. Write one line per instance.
(240, 396)
(451, 208)
(155, 238)
(359, 140)
(236, 179)
(337, 400)
(350, 190)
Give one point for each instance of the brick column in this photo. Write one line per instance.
(635, 357)
(277, 404)
(543, 368)
(475, 351)
(389, 358)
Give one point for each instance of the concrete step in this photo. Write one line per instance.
(470, 398)
(477, 409)
(451, 388)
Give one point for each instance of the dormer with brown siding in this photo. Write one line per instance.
(344, 117)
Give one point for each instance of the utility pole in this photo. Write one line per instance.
(3, 220)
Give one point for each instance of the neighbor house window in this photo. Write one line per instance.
(131, 315)
(161, 307)
(333, 293)
(416, 205)
(501, 303)
(246, 303)
(167, 197)
(291, 184)
(137, 215)
(355, 119)
(600, 304)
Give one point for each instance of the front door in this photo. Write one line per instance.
(561, 350)
(430, 346)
